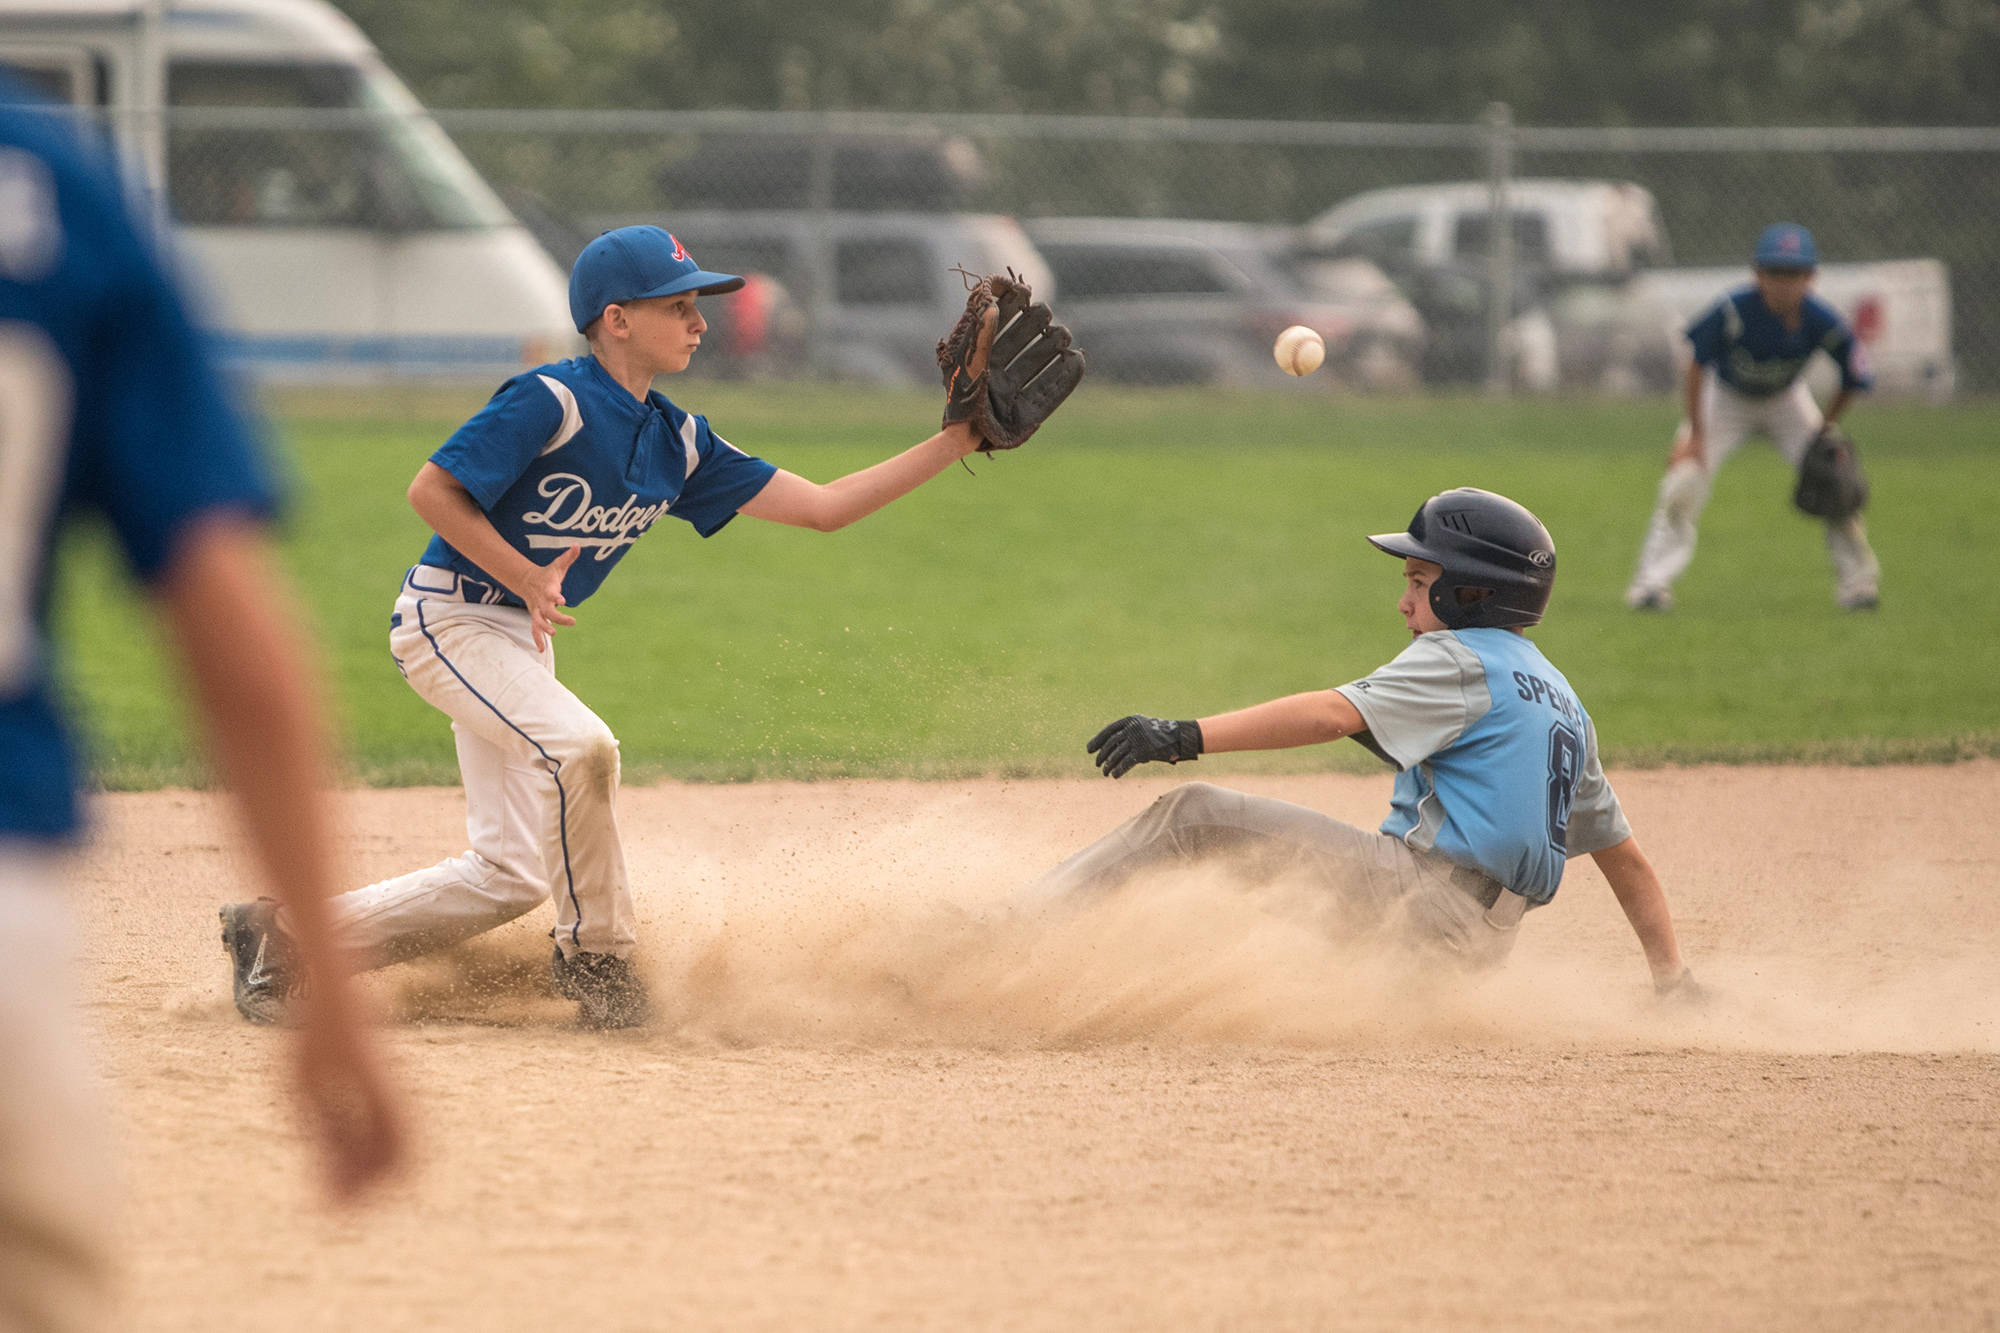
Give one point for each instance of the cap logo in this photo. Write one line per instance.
(680, 251)
(1541, 559)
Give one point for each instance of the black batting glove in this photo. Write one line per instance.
(1135, 740)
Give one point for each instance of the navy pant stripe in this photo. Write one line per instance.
(555, 769)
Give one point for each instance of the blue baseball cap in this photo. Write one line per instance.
(1785, 245)
(631, 264)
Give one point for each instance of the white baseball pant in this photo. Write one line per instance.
(1789, 419)
(541, 782)
(1374, 881)
(58, 1188)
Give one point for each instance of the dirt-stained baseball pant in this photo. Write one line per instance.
(1378, 882)
(541, 781)
(58, 1188)
(1790, 419)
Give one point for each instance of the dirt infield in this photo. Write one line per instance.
(880, 1098)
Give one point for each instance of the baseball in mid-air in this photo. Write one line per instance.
(1299, 350)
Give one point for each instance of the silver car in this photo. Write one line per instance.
(1155, 301)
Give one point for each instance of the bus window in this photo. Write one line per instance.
(397, 172)
(62, 74)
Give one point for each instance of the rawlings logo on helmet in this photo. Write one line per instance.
(1541, 559)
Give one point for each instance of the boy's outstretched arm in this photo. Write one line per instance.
(1638, 889)
(1297, 719)
(1311, 718)
(791, 499)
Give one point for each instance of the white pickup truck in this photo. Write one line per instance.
(1596, 303)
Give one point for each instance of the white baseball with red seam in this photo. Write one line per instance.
(1299, 350)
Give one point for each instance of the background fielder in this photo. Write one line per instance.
(109, 405)
(533, 502)
(1750, 352)
(1497, 776)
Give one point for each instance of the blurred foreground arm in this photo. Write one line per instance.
(1639, 893)
(257, 701)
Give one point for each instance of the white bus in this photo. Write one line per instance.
(340, 236)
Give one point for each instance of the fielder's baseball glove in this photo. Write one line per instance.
(1831, 484)
(1007, 365)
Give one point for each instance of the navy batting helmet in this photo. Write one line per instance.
(1499, 561)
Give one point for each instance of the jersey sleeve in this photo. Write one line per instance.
(490, 451)
(1596, 820)
(1705, 335)
(1422, 700)
(162, 441)
(724, 480)
(1846, 351)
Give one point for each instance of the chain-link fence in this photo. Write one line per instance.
(851, 222)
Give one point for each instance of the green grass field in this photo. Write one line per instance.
(1177, 554)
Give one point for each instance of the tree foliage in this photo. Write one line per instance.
(1599, 62)
(1554, 61)
(1115, 56)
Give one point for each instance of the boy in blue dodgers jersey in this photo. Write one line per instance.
(1750, 351)
(1497, 776)
(109, 405)
(533, 501)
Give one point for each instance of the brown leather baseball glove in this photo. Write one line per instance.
(1007, 365)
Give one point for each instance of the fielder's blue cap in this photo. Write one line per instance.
(631, 264)
(1786, 245)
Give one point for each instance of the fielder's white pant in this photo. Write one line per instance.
(541, 780)
(1374, 881)
(58, 1191)
(1789, 419)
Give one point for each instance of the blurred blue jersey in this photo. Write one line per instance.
(109, 404)
(1754, 353)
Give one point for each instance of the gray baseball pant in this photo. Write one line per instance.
(1378, 880)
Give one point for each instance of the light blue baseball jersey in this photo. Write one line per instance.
(109, 404)
(1754, 353)
(1496, 760)
(564, 456)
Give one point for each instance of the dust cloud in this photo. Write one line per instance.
(921, 926)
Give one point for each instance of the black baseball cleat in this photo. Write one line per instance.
(263, 964)
(1659, 601)
(606, 988)
(1867, 602)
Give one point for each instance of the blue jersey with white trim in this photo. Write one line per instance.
(1497, 760)
(1755, 354)
(564, 456)
(109, 404)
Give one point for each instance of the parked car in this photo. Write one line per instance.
(1593, 270)
(1571, 228)
(365, 247)
(1174, 302)
(874, 291)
